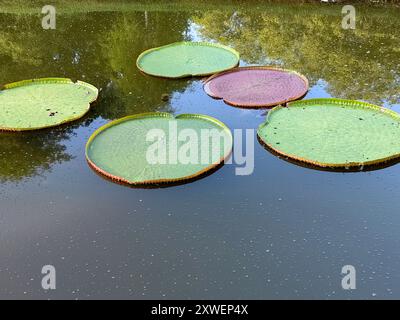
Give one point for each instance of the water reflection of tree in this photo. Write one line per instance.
(13, 45)
(359, 64)
(24, 155)
(130, 35)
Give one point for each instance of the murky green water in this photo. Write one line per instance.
(283, 232)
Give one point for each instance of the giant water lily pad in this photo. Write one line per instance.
(185, 59)
(333, 133)
(257, 87)
(156, 148)
(43, 103)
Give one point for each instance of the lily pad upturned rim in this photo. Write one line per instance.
(341, 102)
(197, 43)
(157, 115)
(53, 80)
(255, 105)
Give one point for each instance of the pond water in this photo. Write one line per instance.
(284, 231)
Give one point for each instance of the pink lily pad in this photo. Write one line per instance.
(257, 87)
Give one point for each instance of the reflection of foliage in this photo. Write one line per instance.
(11, 51)
(359, 64)
(79, 6)
(13, 44)
(234, 28)
(130, 35)
(25, 155)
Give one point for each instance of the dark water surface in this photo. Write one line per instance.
(283, 232)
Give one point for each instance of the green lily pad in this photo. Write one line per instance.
(185, 59)
(333, 133)
(156, 148)
(43, 103)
